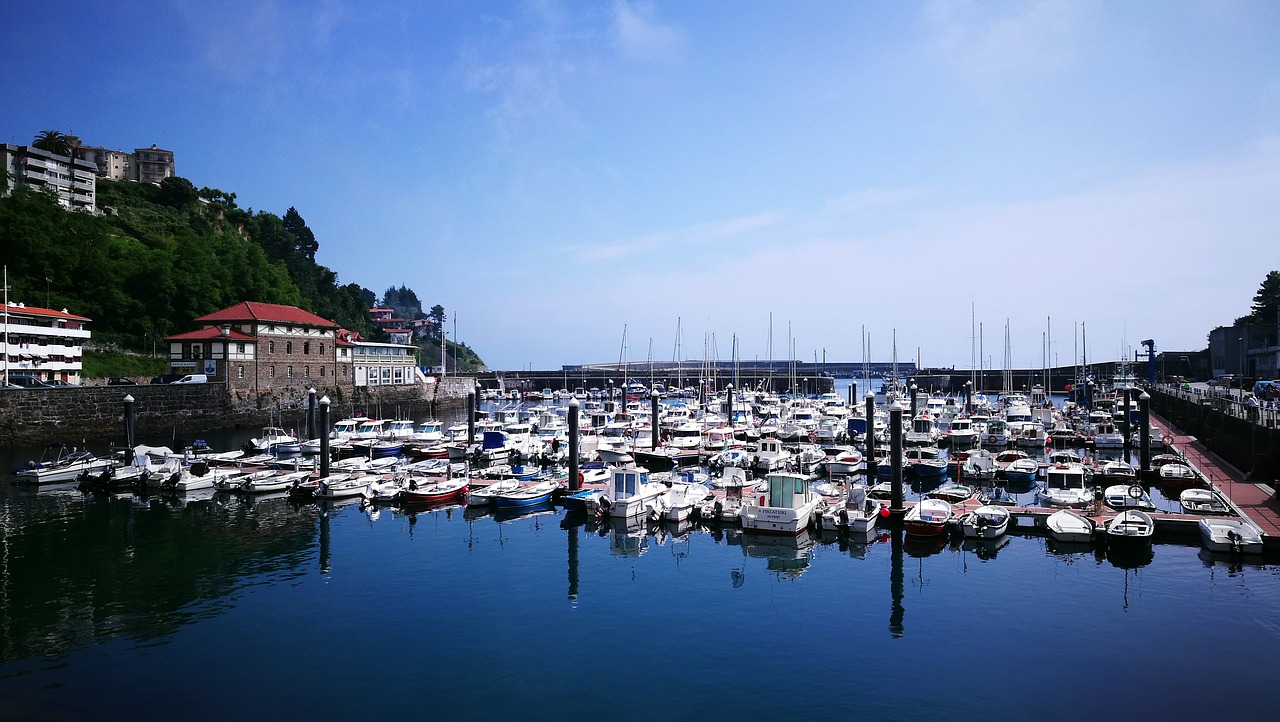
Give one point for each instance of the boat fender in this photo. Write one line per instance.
(1167, 439)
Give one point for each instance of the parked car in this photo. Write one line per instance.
(62, 384)
(27, 381)
(166, 378)
(193, 379)
(1267, 390)
(121, 381)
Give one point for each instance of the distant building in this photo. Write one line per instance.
(384, 364)
(43, 342)
(1248, 350)
(400, 331)
(73, 180)
(143, 165)
(263, 349)
(152, 165)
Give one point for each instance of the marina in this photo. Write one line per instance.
(417, 573)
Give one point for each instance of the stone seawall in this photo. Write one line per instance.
(34, 417)
(1250, 447)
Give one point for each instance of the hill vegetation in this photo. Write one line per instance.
(161, 256)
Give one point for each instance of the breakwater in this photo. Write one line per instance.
(33, 417)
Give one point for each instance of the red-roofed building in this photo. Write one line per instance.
(42, 342)
(262, 350)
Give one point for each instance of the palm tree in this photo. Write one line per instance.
(54, 142)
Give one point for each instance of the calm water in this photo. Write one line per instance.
(121, 607)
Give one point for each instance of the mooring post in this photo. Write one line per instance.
(869, 436)
(915, 395)
(1124, 424)
(574, 483)
(853, 392)
(129, 419)
(311, 413)
(653, 421)
(968, 398)
(324, 437)
(1144, 419)
(471, 426)
(897, 508)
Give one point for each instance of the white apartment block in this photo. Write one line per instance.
(42, 342)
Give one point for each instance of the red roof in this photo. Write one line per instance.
(255, 311)
(207, 333)
(15, 309)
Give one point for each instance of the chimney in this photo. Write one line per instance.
(226, 330)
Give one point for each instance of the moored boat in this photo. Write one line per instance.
(1070, 526)
(929, 517)
(1231, 535)
(788, 507)
(1131, 526)
(985, 522)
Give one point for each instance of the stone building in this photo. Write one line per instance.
(265, 353)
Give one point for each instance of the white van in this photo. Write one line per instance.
(193, 379)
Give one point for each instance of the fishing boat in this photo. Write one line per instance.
(788, 507)
(929, 517)
(1118, 472)
(1070, 526)
(274, 440)
(728, 507)
(680, 500)
(954, 493)
(1066, 485)
(1231, 535)
(1024, 469)
(985, 522)
(341, 486)
(1131, 526)
(629, 495)
(1203, 501)
(526, 495)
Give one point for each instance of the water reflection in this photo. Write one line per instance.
(786, 556)
(78, 570)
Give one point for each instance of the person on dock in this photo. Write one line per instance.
(1252, 403)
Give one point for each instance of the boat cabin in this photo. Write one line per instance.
(788, 491)
(626, 481)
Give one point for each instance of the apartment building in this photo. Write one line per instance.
(42, 342)
(75, 181)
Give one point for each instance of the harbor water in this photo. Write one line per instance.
(125, 606)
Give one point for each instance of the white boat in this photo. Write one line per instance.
(1231, 535)
(1127, 496)
(857, 514)
(771, 456)
(274, 440)
(681, 499)
(60, 464)
(630, 493)
(928, 518)
(1066, 485)
(787, 509)
(1069, 526)
(1203, 501)
(341, 486)
(728, 507)
(1178, 474)
(482, 495)
(985, 522)
(277, 482)
(1131, 525)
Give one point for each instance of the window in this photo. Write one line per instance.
(306, 371)
(240, 372)
(289, 371)
(344, 372)
(271, 347)
(271, 371)
(239, 348)
(321, 372)
(306, 348)
(288, 347)
(321, 348)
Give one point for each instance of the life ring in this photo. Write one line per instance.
(1167, 439)
(991, 439)
(813, 438)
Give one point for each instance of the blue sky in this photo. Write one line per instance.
(552, 172)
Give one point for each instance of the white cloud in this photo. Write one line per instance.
(679, 239)
(989, 43)
(642, 36)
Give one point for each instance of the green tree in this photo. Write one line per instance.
(1265, 302)
(437, 318)
(177, 192)
(54, 142)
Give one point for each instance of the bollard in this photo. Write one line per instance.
(1125, 426)
(915, 395)
(968, 398)
(471, 427)
(324, 437)
(575, 482)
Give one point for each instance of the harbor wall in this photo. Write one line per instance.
(1254, 448)
(35, 417)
